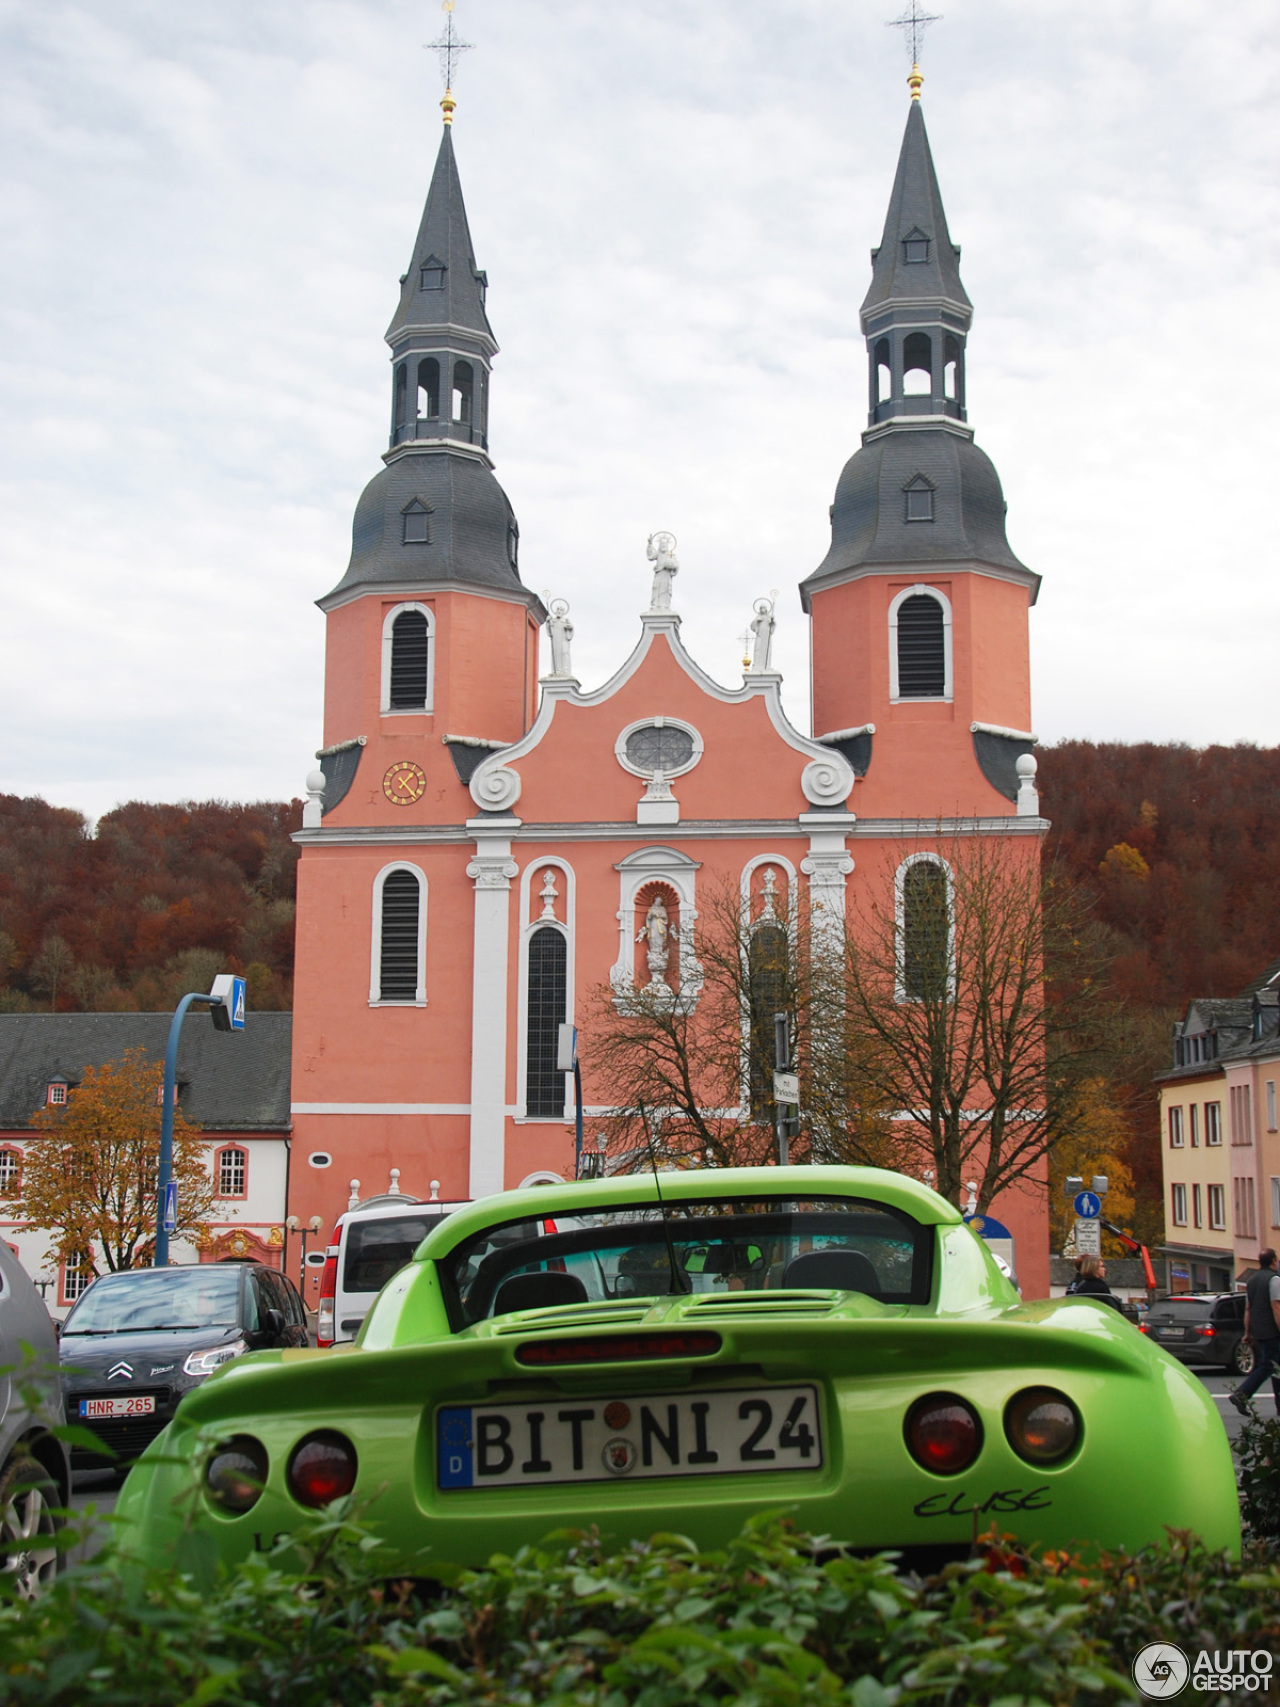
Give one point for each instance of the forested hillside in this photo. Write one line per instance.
(155, 902)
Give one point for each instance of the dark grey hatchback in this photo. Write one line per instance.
(1202, 1327)
(137, 1341)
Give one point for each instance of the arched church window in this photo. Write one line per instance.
(410, 656)
(919, 499)
(922, 655)
(417, 522)
(917, 364)
(428, 389)
(400, 937)
(402, 394)
(548, 982)
(925, 934)
(951, 369)
(463, 391)
(768, 994)
(884, 373)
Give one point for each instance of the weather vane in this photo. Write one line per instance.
(450, 47)
(913, 23)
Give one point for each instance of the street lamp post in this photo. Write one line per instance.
(293, 1225)
(226, 1008)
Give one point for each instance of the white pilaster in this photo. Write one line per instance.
(826, 865)
(491, 869)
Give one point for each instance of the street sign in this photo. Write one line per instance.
(229, 1014)
(1088, 1237)
(1087, 1205)
(786, 1087)
(171, 1206)
(566, 1047)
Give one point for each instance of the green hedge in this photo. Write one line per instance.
(775, 1619)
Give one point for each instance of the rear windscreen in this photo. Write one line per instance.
(1192, 1310)
(378, 1249)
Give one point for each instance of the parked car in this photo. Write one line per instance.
(1202, 1328)
(682, 1351)
(138, 1341)
(370, 1244)
(35, 1474)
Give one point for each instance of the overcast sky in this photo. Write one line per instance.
(206, 208)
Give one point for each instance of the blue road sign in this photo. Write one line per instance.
(237, 1004)
(171, 1206)
(1088, 1206)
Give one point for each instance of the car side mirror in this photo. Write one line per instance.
(274, 1320)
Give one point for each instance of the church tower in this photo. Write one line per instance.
(921, 673)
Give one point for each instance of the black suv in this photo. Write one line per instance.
(138, 1340)
(1202, 1327)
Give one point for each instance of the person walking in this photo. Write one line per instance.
(1092, 1282)
(1262, 1330)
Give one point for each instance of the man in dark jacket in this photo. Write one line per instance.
(1262, 1330)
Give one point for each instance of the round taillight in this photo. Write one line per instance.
(943, 1433)
(235, 1474)
(322, 1468)
(1042, 1424)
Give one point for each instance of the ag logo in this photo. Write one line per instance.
(1161, 1671)
(619, 1455)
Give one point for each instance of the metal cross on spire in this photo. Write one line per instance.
(913, 23)
(449, 46)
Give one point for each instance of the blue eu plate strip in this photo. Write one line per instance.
(453, 1447)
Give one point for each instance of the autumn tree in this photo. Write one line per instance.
(979, 996)
(90, 1177)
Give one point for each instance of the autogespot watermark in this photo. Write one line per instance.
(1162, 1670)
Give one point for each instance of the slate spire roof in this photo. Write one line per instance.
(915, 215)
(443, 242)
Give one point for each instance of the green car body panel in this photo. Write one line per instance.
(1152, 1454)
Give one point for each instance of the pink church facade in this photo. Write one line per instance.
(483, 846)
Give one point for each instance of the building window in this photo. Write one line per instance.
(1175, 1129)
(1197, 1206)
(1212, 1123)
(513, 542)
(1275, 1200)
(1179, 1195)
(548, 979)
(920, 644)
(924, 931)
(57, 1093)
(1194, 1122)
(408, 661)
(1241, 1114)
(75, 1277)
(1242, 1202)
(416, 519)
(399, 936)
(428, 389)
(463, 392)
(233, 1171)
(919, 496)
(10, 1172)
(915, 247)
(431, 274)
(769, 993)
(1218, 1206)
(1271, 1105)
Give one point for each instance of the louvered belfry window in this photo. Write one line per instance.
(548, 980)
(922, 655)
(400, 902)
(410, 649)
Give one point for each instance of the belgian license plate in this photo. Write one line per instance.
(124, 1406)
(663, 1434)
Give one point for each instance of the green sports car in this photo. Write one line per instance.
(676, 1352)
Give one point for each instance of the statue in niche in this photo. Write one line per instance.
(661, 552)
(658, 932)
(768, 895)
(560, 633)
(762, 637)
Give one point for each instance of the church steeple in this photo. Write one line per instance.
(916, 313)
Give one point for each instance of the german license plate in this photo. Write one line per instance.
(613, 1440)
(1171, 1333)
(124, 1406)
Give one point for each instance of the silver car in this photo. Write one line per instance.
(35, 1476)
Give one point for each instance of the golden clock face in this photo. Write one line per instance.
(404, 783)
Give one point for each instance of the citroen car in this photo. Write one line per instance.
(138, 1341)
(678, 1351)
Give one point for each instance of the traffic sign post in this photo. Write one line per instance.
(1088, 1236)
(1087, 1205)
(567, 1062)
(170, 1220)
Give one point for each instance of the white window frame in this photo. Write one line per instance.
(56, 1094)
(530, 921)
(11, 1160)
(899, 919)
(1178, 1205)
(219, 1161)
(388, 623)
(1177, 1136)
(1218, 1207)
(1212, 1124)
(948, 676)
(375, 941)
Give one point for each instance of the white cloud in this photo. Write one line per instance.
(205, 211)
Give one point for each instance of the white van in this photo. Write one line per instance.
(372, 1242)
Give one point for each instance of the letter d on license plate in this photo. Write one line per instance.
(606, 1440)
